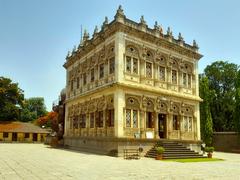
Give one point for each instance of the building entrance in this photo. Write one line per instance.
(14, 136)
(162, 126)
(34, 136)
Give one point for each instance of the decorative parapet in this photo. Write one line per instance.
(121, 23)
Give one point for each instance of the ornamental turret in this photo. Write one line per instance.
(119, 17)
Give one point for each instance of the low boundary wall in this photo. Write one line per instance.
(226, 141)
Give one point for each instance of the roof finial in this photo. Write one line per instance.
(156, 26)
(119, 16)
(85, 35)
(180, 38)
(95, 31)
(105, 22)
(142, 21)
(68, 54)
(195, 45)
(169, 32)
(74, 49)
(120, 10)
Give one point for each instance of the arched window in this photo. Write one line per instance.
(132, 113)
(111, 65)
(174, 72)
(131, 62)
(187, 76)
(175, 117)
(149, 65)
(101, 71)
(161, 68)
(187, 123)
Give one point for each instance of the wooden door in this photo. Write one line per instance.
(14, 136)
(34, 136)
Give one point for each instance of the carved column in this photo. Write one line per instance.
(196, 78)
(169, 77)
(142, 123)
(87, 123)
(156, 126)
(119, 104)
(180, 81)
(181, 125)
(198, 121)
(168, 127)
(170, 120)
(119, 58)
(66, 122)
(104, 122)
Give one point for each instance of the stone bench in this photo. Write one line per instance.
(131, 153)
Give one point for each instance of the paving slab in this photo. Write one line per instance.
(38, 161)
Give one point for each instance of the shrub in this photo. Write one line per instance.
(160, 150)
(209, 149)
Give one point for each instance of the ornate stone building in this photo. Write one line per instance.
(131, 85)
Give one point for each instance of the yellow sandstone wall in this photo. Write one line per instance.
(21, 137)
(8, 139)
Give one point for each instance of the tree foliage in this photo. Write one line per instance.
(206, 118)
(11, 99)
(237, 104)
(33, 108)
(49, 120)
(222, 78)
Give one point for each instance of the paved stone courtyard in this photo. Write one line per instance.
(38, 161)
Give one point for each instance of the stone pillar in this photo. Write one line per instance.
(87, 123)
(180, 81)
(196, 79)
(141, 124)
(156, 125)
(168, 128)
(119, 104)
(104, 132)
(181, 126)
(119, 56)
(169, 77)
(66, 125)
(198, 121)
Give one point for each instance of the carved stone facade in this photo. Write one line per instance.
(130, 81)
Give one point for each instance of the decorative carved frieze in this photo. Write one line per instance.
(101, 105)
(132, 101)
(187, 109)
(110, 102)
(162, 105)
(148, 103)
(175, 107)
(132, 49)
(92, 106)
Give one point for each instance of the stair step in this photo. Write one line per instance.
(184, 157)
(168, 155)
(173, 150)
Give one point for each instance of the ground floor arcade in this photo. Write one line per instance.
(127, 113)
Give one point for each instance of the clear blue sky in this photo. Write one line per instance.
(36, 35)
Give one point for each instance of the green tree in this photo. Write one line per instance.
(205, 114)
(222, 77)
(11, 98)
(237, 104)
(33, 108)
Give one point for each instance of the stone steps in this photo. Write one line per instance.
(173, 150)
